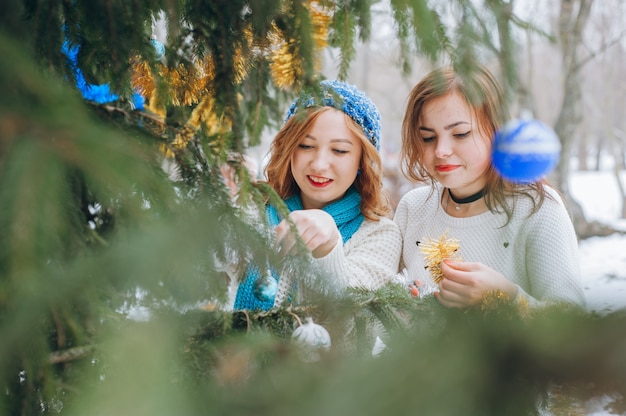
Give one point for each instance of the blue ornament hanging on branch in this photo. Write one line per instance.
(525, 151)
(159, 48)
(266, 287)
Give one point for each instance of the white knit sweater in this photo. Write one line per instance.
(538, 253)
(369, 259)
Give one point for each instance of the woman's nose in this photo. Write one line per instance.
(443, 148)
(320, 161)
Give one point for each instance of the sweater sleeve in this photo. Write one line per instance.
(369, 259)
(401, 218)
(552, 258)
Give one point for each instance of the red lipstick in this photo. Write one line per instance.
(318, 184)
(446, 168)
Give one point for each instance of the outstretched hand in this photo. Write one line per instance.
(465, 283)
(317, 229)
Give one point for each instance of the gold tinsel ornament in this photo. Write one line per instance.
(142, 79)
(436, 251)
(186, 86)
(285, 65)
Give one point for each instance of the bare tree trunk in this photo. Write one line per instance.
(612, 134)
(526, 99)
(504, 10)
(622, 149)
(583, 155)
(619, 133)
(572, 19)
(599, 147)
(620, 186)
(583, 145)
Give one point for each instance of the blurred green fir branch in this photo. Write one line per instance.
(89, 219)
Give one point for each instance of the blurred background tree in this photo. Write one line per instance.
(113, 214)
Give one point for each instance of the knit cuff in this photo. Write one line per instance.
(334, 264)
(523, 297)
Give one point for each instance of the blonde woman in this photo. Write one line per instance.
(325, 165)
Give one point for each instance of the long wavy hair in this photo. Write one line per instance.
(485, 98)
(369, 181)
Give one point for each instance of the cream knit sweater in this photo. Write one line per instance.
(538, 253)
(369, 259)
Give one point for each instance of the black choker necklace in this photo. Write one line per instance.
(466, 200)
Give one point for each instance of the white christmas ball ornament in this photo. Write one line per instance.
(312, 338)
(525, 151)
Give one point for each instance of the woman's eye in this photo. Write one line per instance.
(341, 151)
(305, 146)
(428, 139)
(462, 135)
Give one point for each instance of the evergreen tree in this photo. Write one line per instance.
(94, 229)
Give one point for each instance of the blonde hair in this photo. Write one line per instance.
(485, 98)
(368, 182)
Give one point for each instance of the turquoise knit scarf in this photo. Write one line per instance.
(347, 215)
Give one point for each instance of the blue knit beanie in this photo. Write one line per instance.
(351, 101)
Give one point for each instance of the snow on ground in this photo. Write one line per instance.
(603, 259)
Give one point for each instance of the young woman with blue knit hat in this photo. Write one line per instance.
(325, 165)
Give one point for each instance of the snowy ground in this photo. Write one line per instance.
(603, 259)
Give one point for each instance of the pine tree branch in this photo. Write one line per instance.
(70, 354)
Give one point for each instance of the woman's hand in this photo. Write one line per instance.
(316, 228)
(465, 283)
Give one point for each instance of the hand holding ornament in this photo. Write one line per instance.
(316, 228)
(466, 283)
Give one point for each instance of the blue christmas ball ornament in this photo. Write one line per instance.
(265, 288)
(525, 151)
(159, 48)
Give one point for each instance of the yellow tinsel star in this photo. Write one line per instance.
(436, 251)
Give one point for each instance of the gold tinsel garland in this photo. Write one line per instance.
(285, 66)
(187, 85)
